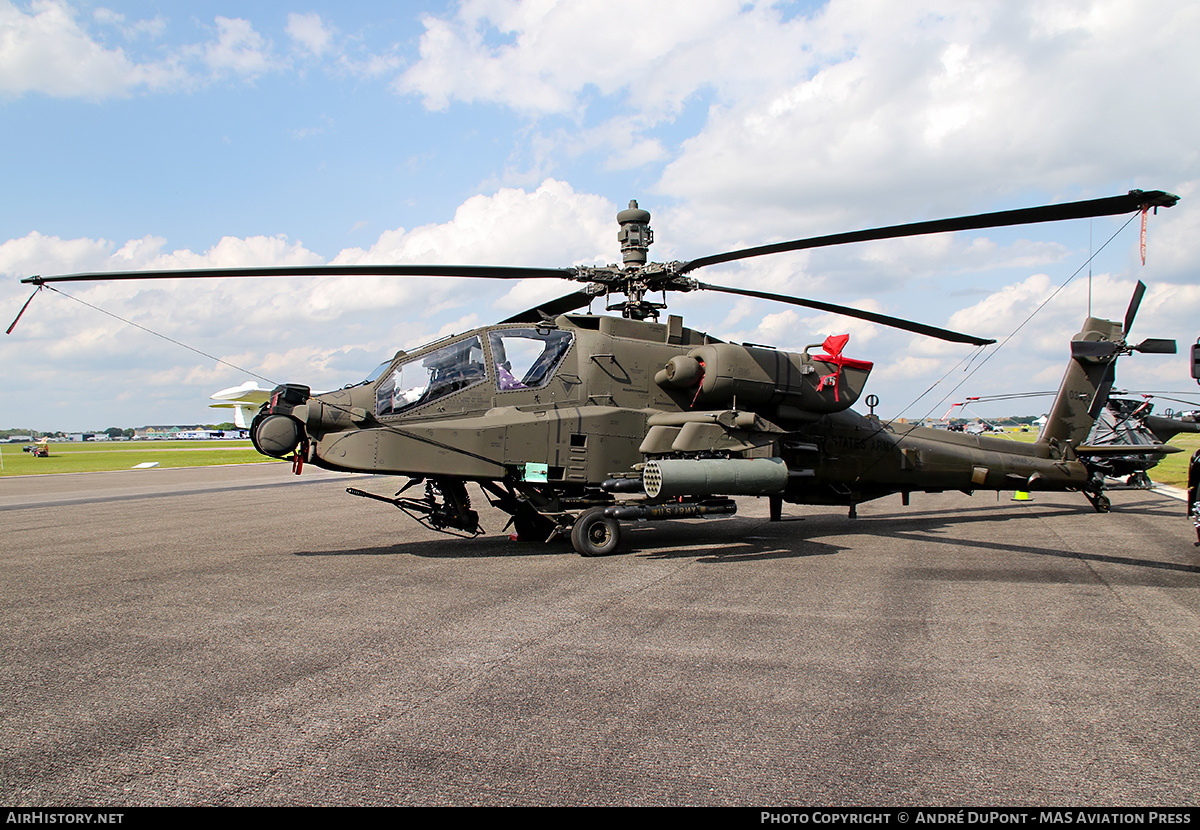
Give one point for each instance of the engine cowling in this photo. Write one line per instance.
(758, 376)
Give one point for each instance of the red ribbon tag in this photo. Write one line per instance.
(1145, 210)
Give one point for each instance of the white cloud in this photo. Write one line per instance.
(1168, 310)
(232, 252)
(131, 30)
(552, 226)
(369, 65)
(867, 111)
(46, 50)
(310, 33)
(238, 49)
(939, 102)
(553, 55)
(37, 254)
(791, 330)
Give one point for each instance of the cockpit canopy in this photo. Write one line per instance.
(526, 358)
(521, 358)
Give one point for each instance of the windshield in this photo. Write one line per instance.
(431, 376)
(526, 358)
(377, 371)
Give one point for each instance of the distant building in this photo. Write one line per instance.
(186, 433)
(151, 433)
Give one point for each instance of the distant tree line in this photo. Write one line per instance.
(111, 432)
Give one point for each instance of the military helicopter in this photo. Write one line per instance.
(1129, 420)
(574, 422)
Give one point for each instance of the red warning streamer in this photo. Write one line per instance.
(1145, 210)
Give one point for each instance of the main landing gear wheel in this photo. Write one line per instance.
(594, 534)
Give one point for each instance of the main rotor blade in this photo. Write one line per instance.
(1134, 200)
(871, 316)
(493, 272)
(1176, 400)
(553, 308)
(1135, 302)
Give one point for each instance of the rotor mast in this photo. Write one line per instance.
(636, 275)
(635, 237)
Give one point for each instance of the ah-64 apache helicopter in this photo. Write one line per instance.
(572, 422)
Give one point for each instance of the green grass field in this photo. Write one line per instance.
(1173, 469)
(102, 456)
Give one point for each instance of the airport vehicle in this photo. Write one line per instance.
(574, 422)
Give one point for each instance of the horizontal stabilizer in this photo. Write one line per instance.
(1101, 450)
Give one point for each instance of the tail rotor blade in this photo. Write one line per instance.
(1154, 345)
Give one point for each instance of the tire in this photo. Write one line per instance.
(594, 534)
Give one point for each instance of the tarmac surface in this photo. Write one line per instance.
(241, 636)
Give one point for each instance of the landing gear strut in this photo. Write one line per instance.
(1140, 480)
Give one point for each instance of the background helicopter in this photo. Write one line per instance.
(572, 422)
(1127, 420)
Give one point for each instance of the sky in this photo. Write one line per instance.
(147, 134)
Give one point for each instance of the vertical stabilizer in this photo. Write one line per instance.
(1086, 384)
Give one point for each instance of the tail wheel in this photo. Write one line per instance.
(594, 534)
(1099, 501)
